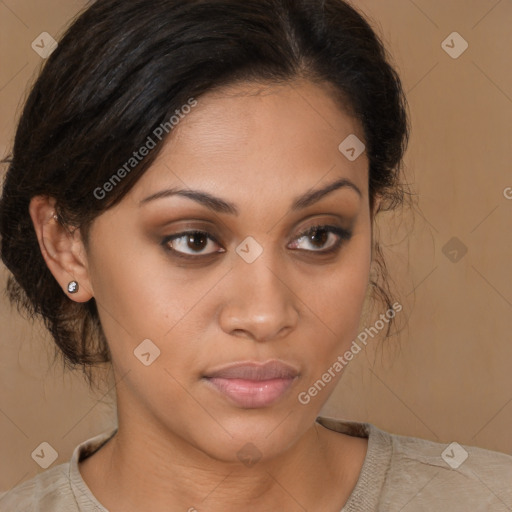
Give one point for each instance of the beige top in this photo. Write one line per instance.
(399, 473)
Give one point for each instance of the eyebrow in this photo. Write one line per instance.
(221, 206)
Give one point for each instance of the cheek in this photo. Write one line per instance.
(337, 295)
(142, 295)
(335, 300)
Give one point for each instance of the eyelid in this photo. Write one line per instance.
(182, 255)
(318, 226)
(343, 235)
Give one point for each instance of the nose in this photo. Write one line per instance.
(259, 304)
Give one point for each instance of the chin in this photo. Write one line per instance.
(250, 435)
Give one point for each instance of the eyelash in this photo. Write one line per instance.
(342, 234)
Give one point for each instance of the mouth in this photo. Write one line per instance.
(252, 385)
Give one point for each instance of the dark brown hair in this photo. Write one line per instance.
(123, 68)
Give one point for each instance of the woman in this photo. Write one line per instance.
(191, 197)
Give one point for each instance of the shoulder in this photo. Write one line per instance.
(414, 474)
(58, 488)
(47, 491)
(452, 475)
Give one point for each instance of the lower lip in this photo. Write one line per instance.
(251, 394)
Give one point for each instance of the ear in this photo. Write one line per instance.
(62, 250)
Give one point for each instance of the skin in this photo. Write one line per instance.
(177, 443)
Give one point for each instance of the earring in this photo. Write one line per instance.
(72, 287)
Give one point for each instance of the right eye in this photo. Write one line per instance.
(191, 244)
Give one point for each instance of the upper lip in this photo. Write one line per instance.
(253, 370)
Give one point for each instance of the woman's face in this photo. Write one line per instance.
(252, 286)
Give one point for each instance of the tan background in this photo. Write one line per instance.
(449, 375)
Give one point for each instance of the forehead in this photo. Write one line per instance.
(250, 137)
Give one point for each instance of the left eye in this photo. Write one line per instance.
(191, 243)
(194, 244)
(321, 239)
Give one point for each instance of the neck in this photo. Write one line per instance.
(139, 465)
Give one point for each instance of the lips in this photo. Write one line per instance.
(255, 371)
(252, 385)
